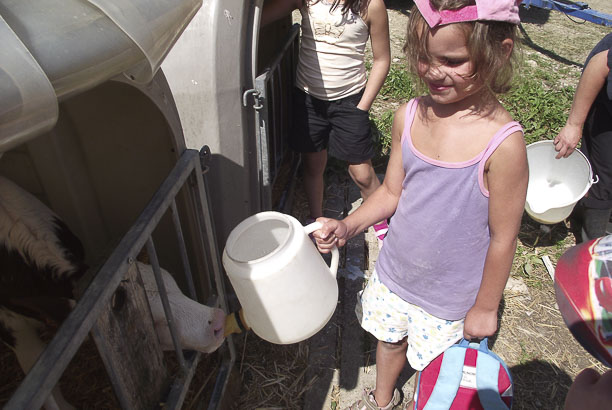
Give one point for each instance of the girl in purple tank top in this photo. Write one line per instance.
(455, 185)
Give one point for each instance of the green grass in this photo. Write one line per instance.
(399, 87)
(542, 111)
(399, 84)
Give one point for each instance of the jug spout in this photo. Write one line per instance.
(235, 323)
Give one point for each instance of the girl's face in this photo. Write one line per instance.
(447, 75)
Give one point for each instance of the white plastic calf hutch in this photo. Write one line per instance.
(141, 123)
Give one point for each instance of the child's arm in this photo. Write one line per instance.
(507, 177)
(378, 23)
(380, 205)
(591, 82)
(276, 9)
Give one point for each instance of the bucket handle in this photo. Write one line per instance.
(333, 266)
(596, 180)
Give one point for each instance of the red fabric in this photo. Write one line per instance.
(466, 398)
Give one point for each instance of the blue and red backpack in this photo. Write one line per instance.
(467, 376)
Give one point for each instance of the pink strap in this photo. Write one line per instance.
(409, 117)
(499, 137)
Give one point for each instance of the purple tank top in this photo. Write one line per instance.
(438, 238)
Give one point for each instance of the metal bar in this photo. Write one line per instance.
(207, 226)
(580, 11)
(293, 32)
(276, 119)
(176, 220)
(179, 387)
(163, 295)
(264, 148)
(269, 134)
(220, 384)
(47, 370)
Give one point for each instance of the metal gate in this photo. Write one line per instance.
(272, 104)
(45, 374)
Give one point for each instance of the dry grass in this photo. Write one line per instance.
(271, 376)
(533, 339)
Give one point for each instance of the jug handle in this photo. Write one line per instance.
(333, 266)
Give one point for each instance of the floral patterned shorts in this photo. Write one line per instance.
(390, 319)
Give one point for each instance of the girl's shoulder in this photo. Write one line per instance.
(406, 109)
(510, 134)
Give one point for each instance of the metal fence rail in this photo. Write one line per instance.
(47, 371)
(272, 94)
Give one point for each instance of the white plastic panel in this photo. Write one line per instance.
(75, 44)
(154, 26)
(55, 49)
(28, 106)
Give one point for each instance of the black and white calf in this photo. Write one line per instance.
(40, 262)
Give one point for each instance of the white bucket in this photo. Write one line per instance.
(287, 291)
(555, 185)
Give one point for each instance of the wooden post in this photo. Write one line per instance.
(128, 344)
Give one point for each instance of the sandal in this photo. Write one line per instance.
(368, 402)
(381, 230)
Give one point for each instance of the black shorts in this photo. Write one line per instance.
(338, 126)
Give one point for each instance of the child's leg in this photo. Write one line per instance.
(364, 176)
(314, 167)
(390, 360)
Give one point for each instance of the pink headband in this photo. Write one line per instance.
(487, 10)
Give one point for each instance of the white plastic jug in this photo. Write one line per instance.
(287, 291)
(555, 185)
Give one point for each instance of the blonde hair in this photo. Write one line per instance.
(490, 62)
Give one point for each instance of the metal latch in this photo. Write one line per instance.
(256, 96)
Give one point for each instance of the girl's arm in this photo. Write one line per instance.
(380, 205)
(591, 82)
(276, 9)
(378, 22)
(507, 177)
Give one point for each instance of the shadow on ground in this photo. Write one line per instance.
(537, 384)
(535, 234)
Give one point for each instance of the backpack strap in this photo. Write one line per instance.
(447, 385)
(487, 374)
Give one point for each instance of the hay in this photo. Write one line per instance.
(533, 339)
(271, 376)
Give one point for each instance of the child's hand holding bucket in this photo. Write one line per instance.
(332, 233)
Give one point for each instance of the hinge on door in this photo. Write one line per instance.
(256, 97)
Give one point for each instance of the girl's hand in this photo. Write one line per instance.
(567, 140)
(479, 323)
(333, 233)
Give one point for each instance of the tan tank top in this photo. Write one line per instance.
(332, 52)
